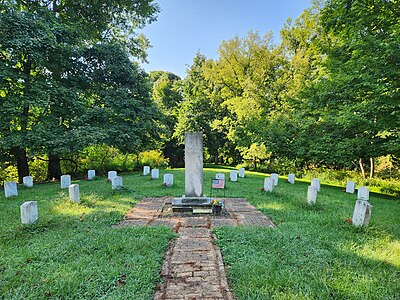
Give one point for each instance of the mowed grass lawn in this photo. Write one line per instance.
(74, 252)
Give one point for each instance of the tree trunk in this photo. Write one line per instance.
(361, 168)
(54, 168)
(22, 163)
(372, 169)
(255, 163)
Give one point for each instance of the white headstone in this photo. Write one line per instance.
(275, 177)
(117, 182)
(28, 181)
(111, 175)
(316, 183)
(268, 184)
(241, 172)
(233, 175)
(168, 180)
(10, 189)
(362, 213)
(91, 174)
(29, 212)
(146, 170)
(65, 181)
(155, 173)
(291, 178)
(363, 193)
(74, 194)
(350, 187)
(312, 195)
(220, 176)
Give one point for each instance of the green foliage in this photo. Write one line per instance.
(67, 79)
(154, 159)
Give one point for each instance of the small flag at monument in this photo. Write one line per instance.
(218, 183)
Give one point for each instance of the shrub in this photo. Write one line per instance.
(153, 158)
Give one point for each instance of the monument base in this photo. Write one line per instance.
(192, 204)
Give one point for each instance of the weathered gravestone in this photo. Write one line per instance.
(146, 170)
(91, 174)
(155, 173)
(111, 175)
(194, 164)
(363, 193)
(362, 213)
(268, 184)
(275, 178)
(74, 194)
(29, 212)
(193, 200)
(350, 187)
(10, 189)
(233, 175)
(27, 181)
(291, 178)
(220, 176)
(65, 181)
(312, 195)
(241, 172)
(116, 183)
(168, 180)
(315, 182)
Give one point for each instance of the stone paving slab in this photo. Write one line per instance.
(193, 266)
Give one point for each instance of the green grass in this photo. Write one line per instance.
(312, 253)
(74, 252)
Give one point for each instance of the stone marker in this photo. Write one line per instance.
(363, 193)
(268, 184)
(350, 187)
(111, 175)
(74, 194)
(275, 177)
(168, 180)
(220, 176)
(65, 181)
(91, 174)
(155, 173)
(241, 172)
(10, 189)
(233, 175)
(28, 181)
(117, 182)
(29, 212)
(312, 195)
(362, 213)
(291, 178)
(315, 182)
(146, 170)
(194, 164)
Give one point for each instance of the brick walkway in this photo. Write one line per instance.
(193, 267)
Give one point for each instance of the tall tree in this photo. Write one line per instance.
(166, 95)
(70, 28)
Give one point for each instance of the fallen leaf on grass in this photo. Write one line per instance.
(121, 281)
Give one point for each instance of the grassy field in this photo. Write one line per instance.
(73, 252)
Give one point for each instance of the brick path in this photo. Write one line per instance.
(193, 267)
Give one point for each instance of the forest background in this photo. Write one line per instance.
(324, 101)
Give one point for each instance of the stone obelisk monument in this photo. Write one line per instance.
(193, 164)
(193, 200)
